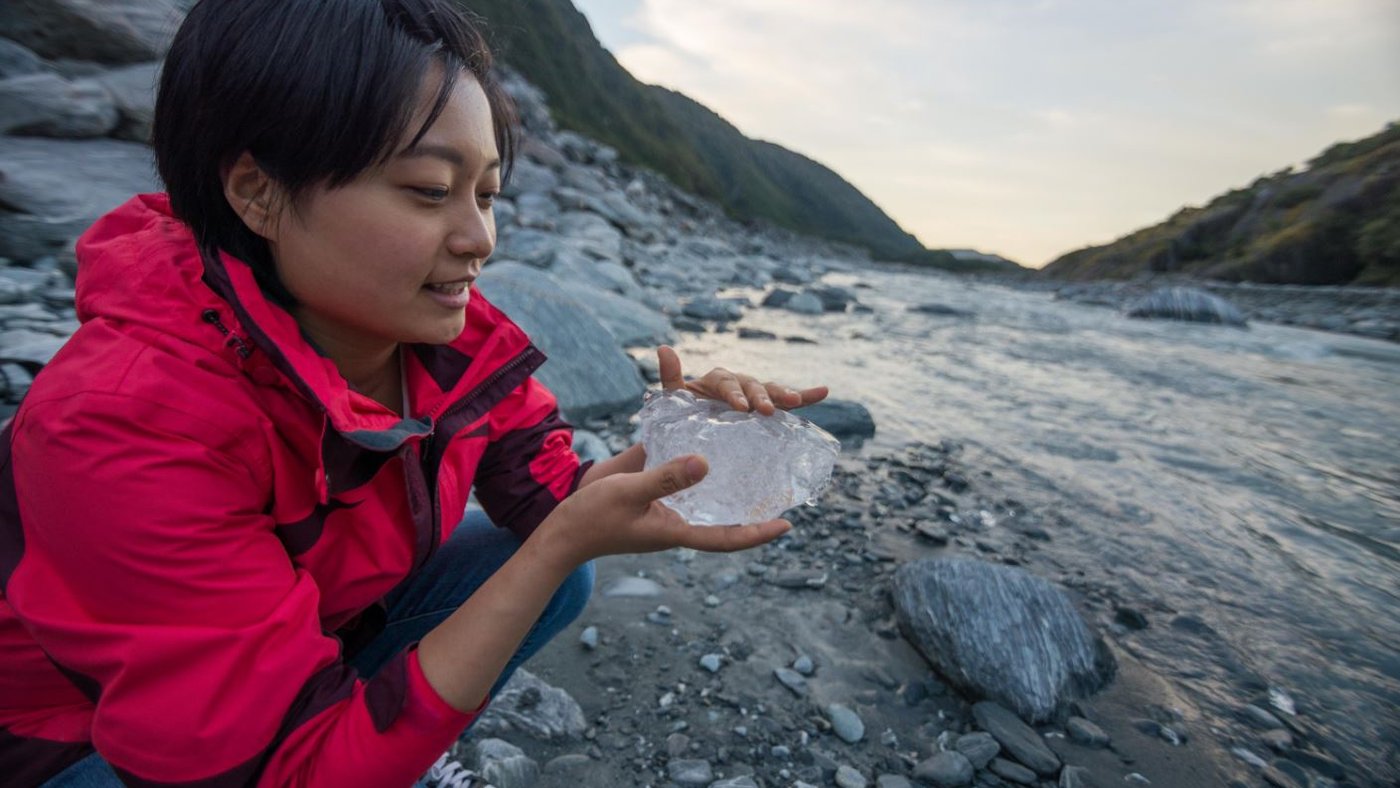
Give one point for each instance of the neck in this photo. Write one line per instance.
(372, 369)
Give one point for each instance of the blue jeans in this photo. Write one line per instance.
(461, 565)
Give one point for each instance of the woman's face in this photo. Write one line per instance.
(389, 257)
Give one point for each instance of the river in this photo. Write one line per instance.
(1240, 487)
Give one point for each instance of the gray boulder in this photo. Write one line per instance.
(133, 90)
(842, 418)
(587, 370)
(708, 307)
(804, 304)
(632, 324)
(529, 705)
(504, 765)
(107, 31)
(51, 190)
(528, 245)
(1002, 633)
(1186, 303)
(47, 105)
(16, 60)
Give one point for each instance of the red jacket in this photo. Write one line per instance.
(195, 510)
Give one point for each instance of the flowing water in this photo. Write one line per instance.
(1241, 487)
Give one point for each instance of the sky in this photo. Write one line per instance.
(1027, 128)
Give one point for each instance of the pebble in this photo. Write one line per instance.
(1278, 740)
(690, 772)
(567, 763)
(711, 662)
(632, 587)
(799, 579)
(589, 638)
(946, 770)
(667, 700)
(792, 680)
(1260, 718)
(780, 751)
(1318, 763)
(892, 781)
(1074, 777)
(889, 739)
(846, 723)
(661, 615)
(1016, 737)
(1136, 779)
(804, 665)
(743, 781)
(848, 777)
(711, 601)
(1249, 757)
(1086, 732)
(677, 744)
(1012, 771)
(979, 748)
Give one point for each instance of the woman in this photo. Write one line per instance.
(227, 549)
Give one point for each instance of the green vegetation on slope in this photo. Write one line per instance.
(551, 44)
(1335, 222)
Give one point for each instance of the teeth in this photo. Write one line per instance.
(453, 288)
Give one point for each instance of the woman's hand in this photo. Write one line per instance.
(623, 513)
(742, 392)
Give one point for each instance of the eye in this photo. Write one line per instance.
(431, 193)
(488, 198)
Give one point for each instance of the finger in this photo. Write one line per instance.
(757, 394)
(666, 479)
(782, 396)
(813, 395)
(724, 385)
(669, 364)
(729, 538)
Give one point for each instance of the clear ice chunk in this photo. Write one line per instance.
(760, 466)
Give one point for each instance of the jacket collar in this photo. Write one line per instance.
(140, 249)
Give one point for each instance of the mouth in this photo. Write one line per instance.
(450, 288)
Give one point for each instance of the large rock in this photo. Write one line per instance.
(47, 105)
(632, 324)
(51, 190)
(16, 60)
(842, 418)
(1001, 633)
(529, 705)
(133, 90)
(587, 369)
(1186, 303)
(107, 31)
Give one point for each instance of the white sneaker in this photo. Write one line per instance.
(449, 772)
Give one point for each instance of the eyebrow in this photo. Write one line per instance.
(450, 155)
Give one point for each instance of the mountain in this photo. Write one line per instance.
(1335, 222)
(551, 43)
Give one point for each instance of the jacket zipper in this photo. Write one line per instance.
(211, 316)
(426, 447)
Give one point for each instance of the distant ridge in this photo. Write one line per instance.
(551, 43)
(1336, 222)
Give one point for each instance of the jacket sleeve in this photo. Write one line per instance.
(529, 465)
(152, 578)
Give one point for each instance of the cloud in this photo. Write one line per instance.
(1043, 126)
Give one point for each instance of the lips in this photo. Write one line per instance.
(450, 288)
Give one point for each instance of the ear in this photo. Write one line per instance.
(253, 195)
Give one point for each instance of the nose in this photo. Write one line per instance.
(473, 236)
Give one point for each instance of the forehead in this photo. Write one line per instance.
(465, 123)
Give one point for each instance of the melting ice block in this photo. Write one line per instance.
(760, 466)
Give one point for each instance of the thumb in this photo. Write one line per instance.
(670, 477)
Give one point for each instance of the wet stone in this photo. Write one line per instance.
(1016, 737)
(792, 680)
(1260, 718)
(589, 638)
(690, 772)
(845, 723)
(1086, 733)
(1012, 771)
(799, 579)
(892, 781)
(711, 662)
(743, 781)
(946, 770)
(848, 777)
(1074, 777)
(631, 587)
(1278, 740)
(979, 748)
(803, 665)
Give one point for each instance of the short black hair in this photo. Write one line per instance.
(317, 91)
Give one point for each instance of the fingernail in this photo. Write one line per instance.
(694, 468)
(741, 401)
